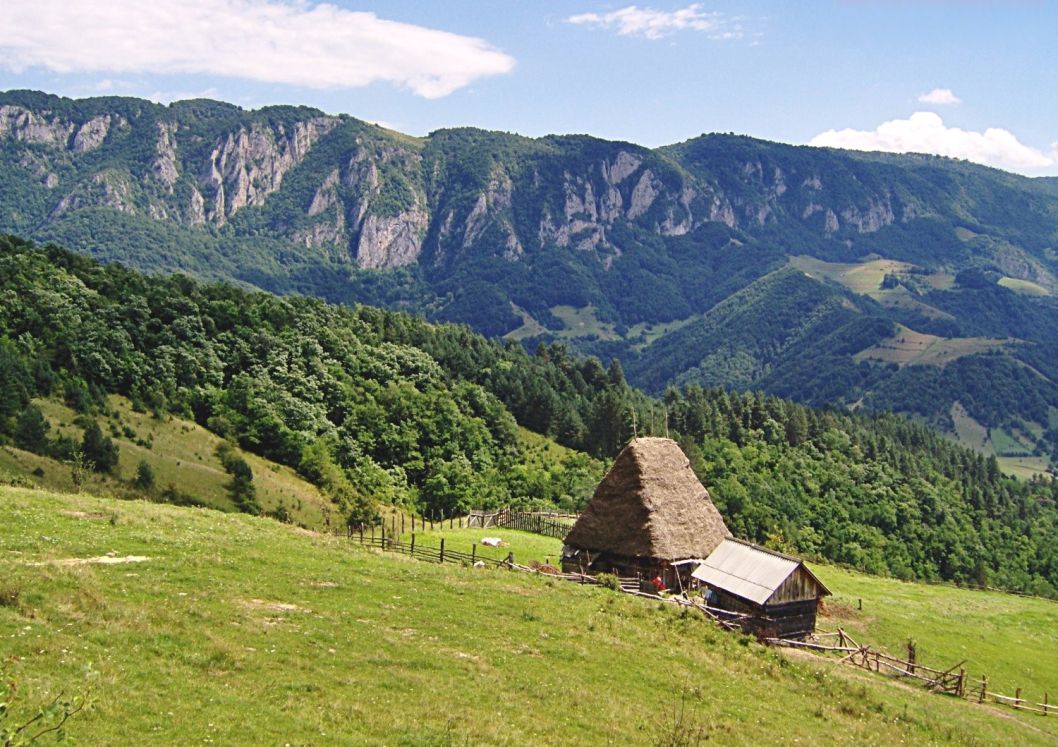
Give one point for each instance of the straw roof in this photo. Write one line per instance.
(651, 505)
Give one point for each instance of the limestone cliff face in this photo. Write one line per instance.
(248, 165)
(47, 128)
(42, 128)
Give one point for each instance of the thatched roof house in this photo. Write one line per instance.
(649, 511)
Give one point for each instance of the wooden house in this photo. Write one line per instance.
(778, 591)
(649, 513)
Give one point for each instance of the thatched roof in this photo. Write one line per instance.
(650, 505)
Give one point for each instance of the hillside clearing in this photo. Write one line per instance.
(907, 347)
(240, 630)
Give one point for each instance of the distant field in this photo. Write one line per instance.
(1006, 443)
(861, 277)
(970, 432)
(237, 630)
(866, 278)
(908, 347)
(1025, 287)
(976, 436)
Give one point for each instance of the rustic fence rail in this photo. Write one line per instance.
(549, 523)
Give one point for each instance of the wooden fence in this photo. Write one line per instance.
(549, 523)
(951, 681)
(633, 586)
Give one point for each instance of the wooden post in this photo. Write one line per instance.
(1046, 707)
(1017, 698)
(984, 688)
(372, 534)
(413, 522)
(451, 520)
(361, 532)
(910, 656)
(474, 553)
(412, 553)
(442, 549)
(510, 561)
(402, 522)
(961, 686)
(860, 601)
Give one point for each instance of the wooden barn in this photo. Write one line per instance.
(649, 513)
(779, 592)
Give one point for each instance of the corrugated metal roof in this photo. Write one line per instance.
(746, 571)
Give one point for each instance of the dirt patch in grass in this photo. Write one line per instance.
(109, 559)
(87, 515)
(273, 606)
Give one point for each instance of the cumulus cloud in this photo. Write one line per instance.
(275, 41)
(925, 132)
(655, 24)
(942, 96)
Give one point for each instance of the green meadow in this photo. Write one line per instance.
(232, 629)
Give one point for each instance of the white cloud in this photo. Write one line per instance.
(655, 24)
(925, 132)
(941, 96)
(275, 41)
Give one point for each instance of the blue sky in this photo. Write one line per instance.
(838, 73)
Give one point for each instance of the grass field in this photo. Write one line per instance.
(237, 630)
(908, 347)
(1025, 287)
(181, 454)
(1009, 638)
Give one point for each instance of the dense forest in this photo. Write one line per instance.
(380, 406)
(720, 261)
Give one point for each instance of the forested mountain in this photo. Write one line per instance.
(910, 283)
(380, 406)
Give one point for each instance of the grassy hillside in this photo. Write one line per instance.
(181, 455)
(241, 630)
(1006, 637)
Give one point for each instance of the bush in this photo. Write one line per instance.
(609, 581)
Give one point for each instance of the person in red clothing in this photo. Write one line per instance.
(658, 583)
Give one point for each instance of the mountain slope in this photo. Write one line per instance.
(608, 246)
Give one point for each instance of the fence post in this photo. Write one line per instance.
(383, 534)
(361, 532)
(1017, 698)
(442, 550)
(984, 688)
(1046, 708)
(372, 534)
(412, 553)
(510, 561)
(402, 522)
(910, 656)
(474, 554)
(962, 684)
(451, 520)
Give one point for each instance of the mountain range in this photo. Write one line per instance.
(911, 283)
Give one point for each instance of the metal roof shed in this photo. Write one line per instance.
(773, 586)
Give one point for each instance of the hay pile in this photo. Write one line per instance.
(650, 505)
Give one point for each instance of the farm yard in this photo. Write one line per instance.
(238, 629)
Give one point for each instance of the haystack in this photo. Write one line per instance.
(648, 511)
